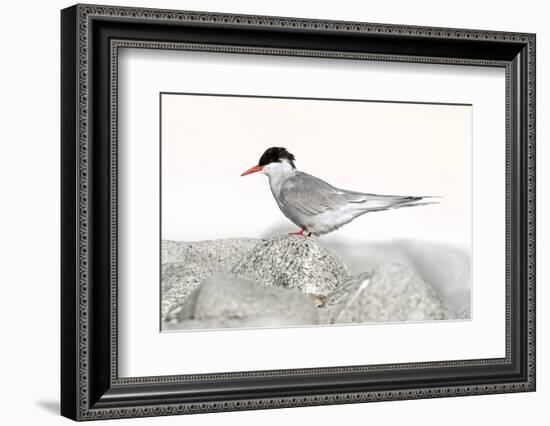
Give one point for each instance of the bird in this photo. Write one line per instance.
(314, 205)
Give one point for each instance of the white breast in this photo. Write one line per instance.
(278, 173)
(330, 220)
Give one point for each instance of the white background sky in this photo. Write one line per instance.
(378, 147)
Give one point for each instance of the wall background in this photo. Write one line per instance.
(29, 225)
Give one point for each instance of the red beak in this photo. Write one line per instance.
(253, 170)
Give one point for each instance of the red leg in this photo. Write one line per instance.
(301, 233)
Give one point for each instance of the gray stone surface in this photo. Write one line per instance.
(445, 268)
(293, 262)
(407, 280)
(178, 280)
(224, 300)
(220, 254)
(186, 264)
(391, 293)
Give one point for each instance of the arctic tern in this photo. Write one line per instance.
(313, 204)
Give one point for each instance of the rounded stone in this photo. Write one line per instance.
(224, 300)
(293, 262)
(391, 293)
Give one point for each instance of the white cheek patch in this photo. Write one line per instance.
(278, 168)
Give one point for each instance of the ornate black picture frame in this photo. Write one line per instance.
(91, 36)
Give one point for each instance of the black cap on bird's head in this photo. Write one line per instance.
(274, 154)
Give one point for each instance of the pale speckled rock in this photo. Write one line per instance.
(186, 264)
(219, 254)
(293, 262)
(178, 280)
(224, 300)
(391, 293)
(446, 269)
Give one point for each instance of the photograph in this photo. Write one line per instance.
(363, 215)
(265, 210)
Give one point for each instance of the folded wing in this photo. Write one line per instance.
(311, 195)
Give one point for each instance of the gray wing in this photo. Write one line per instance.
(311, 195)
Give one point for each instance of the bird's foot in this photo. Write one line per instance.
(301, 233)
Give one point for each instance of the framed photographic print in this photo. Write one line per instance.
(263, 212)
